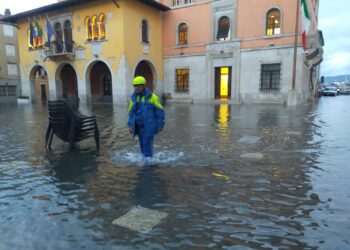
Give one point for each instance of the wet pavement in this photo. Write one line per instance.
(223, 177)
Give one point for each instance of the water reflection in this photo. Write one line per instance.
(258, 177)
(150, 188)
(73, 166)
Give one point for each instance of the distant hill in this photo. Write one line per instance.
(341, 78)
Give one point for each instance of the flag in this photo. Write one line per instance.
(39, 34)
(51, 34)
(306, 21)
(31, 33)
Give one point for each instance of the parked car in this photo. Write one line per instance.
(345, 92)
(330, 91)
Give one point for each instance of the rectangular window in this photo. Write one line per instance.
(182, 2)
(182, 80)
(270, 77)
(8, 90)
(12, 69)
(10, 50)
(8, 30)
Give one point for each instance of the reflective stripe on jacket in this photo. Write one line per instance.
(152, 112)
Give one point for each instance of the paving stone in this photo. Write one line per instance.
(140, 219)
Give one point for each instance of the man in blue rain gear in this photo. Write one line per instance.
(146, 115)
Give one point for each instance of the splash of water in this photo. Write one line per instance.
(161, 157)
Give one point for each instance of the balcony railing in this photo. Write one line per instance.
(60, 48)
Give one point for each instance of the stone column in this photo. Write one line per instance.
(84, 91)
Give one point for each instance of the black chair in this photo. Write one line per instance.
(69, 124)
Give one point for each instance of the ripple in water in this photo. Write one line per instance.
(162, 157)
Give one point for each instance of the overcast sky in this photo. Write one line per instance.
(334, 21)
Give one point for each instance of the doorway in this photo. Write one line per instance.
(223, 83)
(69, 82)
(101, 82)
(43, 91)
(144, 69)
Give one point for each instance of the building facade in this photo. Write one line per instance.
(89, 49)
(9, 62)
(192, 50)
(215, 50)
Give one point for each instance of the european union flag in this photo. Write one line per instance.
(31, 34)
(51, 34)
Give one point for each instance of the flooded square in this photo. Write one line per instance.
(222, 177)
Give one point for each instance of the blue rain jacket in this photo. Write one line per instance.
(145, 110)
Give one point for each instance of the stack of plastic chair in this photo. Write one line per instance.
(69, 124)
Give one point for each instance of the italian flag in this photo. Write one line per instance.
(305, 18)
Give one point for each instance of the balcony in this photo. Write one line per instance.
(60, 49)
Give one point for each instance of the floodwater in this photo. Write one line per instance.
(226, 176)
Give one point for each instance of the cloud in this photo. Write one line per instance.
(334, 22)
(337, 63)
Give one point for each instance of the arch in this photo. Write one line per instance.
(100, 82)
(90, 64)
(39, 82)
(146, 69)
(66, 81)
(273, 22)
(182, 34)
(224, 25)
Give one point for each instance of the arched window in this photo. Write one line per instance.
(88, 28)
(144, 28)
(273, 22)
(183, 34)
(58, 31)
(95, 28)
(68, 36)
(59, 37)
(102, 23)
(223, 29)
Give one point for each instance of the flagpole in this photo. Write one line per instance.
(41, 21)
(295, 44)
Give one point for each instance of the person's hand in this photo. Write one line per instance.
(130, 131)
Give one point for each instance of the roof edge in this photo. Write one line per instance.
(70, 3)
(155, 4)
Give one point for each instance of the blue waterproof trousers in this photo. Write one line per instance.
(146, 142)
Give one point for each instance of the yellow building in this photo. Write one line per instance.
(90, 49)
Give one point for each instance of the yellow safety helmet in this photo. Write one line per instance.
(139, 80)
